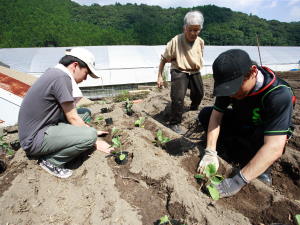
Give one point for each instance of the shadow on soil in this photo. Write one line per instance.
(151, 197)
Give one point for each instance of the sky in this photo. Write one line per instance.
(282, 10)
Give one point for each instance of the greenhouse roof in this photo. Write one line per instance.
(132, 64)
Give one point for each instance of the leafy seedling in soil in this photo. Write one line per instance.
(160, 139)
(99, 119)
(121, 157)
(210, 179)
(128, 107)
(4, 146)
(297, 218)
(140, 122)
(101, 102)
(116, 142)
(123, 96)
(115, 132)
(164, 220)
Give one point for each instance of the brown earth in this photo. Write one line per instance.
(154, 182)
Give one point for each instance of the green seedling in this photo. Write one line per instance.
(102, 102)
(160, 139)
(128, 107)
(115, 132)
(297, 218)
(122, 156)
(164, 220)
(10, 152)
(117, 144)
(99, 119)
(140, 122)
(123, 96)
(210, 179)
(5, 147)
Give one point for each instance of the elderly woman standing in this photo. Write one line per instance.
(185, 53)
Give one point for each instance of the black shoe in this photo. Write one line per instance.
(176, 128)
(194, 107)
(266, 177)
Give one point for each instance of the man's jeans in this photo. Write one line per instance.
(63, 142)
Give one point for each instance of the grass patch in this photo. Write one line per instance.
(207, 76)
(124, 95)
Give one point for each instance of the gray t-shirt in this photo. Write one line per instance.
(41, 107)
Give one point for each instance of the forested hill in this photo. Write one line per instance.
(41, 23)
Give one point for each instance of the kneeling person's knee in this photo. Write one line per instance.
(89, 136)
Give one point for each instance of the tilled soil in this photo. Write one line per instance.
(155, 182)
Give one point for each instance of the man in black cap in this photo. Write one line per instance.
(260, 114)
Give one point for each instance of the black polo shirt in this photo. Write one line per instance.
(270, 107)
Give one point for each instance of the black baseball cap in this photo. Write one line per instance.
(229, 70)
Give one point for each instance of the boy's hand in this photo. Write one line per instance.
(103, 146)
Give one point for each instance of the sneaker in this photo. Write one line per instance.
(55, 170)
(176, 128)
(266, 177)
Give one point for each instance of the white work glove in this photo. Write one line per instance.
(210, 157)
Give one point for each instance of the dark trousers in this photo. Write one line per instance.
(180, 82)
(238, 143)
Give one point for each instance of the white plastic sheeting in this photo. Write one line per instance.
(10, 106)
(136, 64)
(277, 58)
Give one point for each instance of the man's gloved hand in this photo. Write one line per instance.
(231, 186)
(210, 157)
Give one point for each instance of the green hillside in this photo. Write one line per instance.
(40, 23)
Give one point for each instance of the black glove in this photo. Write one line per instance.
(231, 186)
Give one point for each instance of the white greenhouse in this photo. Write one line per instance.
(121, 67)
(136, 64)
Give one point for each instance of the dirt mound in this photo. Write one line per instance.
(155, 182)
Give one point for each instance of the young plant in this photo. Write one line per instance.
(128, 107)
(4, 146)
(160, 139)
(102, 102)
(140, 122)
(116, 142)
(123, 96)
(210, 179)
(119, 155)
(297, 218)
(99, 119)
(115, 132)
(164, 220)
